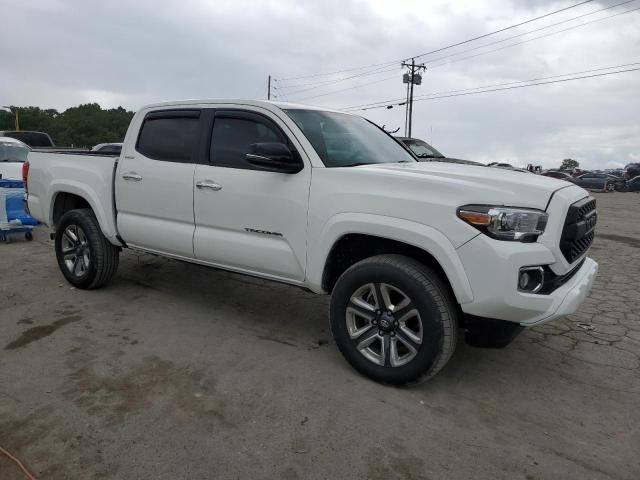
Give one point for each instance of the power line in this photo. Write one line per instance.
(366, 74)
(530, 80)
(524, 41)
(503, 29)
(395, 76)
(326, 74)
(515, 43)
(532, 84)
(498, 87)
(442, 48)
(535, 38)
(379, 71)
(539, 29)
(322, 82)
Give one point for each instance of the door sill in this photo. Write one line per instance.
(250, 273)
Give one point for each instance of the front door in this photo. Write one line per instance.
(154, 183)
(248, 219)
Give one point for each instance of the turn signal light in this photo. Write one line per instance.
(475, 218)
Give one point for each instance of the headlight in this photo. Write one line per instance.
(505, 223)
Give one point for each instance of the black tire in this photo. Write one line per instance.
(428, 294)
(28, 236)
(103, 256)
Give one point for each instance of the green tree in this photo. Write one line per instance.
(82, 126)
(569, 164)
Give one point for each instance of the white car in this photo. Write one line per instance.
(108, 148)
(13, 153)
(410, 252)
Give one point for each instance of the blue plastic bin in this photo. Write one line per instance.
(13, 217)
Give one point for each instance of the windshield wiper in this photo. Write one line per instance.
(427, 155)
(356, 164)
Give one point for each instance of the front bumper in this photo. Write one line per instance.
(492, 268)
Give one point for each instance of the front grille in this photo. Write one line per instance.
(579, 229)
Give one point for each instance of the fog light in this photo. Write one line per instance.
(530, 279)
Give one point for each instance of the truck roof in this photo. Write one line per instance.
(268, 104)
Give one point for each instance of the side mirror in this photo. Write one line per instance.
(273, 157)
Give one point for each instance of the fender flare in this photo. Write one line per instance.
(412, 233)
(86, 192)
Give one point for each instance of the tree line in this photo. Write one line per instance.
(83, 126)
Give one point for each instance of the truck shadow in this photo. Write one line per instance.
(272, 311)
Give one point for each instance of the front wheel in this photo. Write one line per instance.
(85, 257)
(610, 187)
(394, 319)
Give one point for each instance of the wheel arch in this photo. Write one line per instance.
(350, 238)
(69, 197)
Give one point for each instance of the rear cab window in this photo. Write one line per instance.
(170, 135)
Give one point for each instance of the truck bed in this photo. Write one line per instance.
(75, 151)
(87, 175)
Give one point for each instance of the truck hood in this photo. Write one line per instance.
(479, 183)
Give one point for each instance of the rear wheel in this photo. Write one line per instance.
(611, 187)
(393, 319)
(85, 257)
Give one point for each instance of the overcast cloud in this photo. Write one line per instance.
(59, 53)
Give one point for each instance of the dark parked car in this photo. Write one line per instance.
(633, 185)
(599, 181)
(632, 170)
(33, 139)
(426, 153)
(556, 174)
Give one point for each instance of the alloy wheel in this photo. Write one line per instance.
(384, 324)
(75, 250)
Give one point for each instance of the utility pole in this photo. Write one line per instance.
(406, 107)
(269, 88)
(412, 78)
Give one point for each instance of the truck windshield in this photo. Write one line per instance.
(342, 140)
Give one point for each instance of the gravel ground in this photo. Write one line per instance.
(182, 372)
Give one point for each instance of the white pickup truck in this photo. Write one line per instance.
(410, 252)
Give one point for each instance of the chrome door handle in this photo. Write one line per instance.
(209, 185)
(132, 176)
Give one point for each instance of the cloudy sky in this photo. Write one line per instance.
(59, 53)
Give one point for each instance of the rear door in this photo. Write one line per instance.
(154, 183)
(599, 180)
(248, 219)
(587, 180)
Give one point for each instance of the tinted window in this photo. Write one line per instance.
(33, 139)
(232, 137)
(110, 149)
(172, 139)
